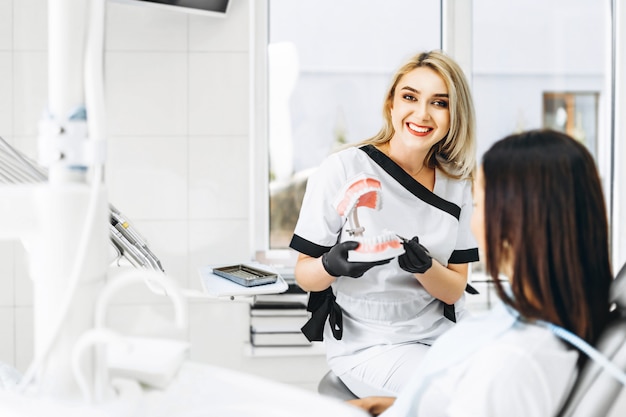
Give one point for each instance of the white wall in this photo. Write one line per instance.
(177, 99)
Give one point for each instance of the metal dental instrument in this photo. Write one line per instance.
(17, 168)
(137, 242)
(403, 239)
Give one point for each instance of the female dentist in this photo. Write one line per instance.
(387, 312)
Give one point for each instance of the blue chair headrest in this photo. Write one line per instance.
(618, 289)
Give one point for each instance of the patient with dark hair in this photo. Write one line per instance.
(540, 221)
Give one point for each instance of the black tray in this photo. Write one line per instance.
(246, 275)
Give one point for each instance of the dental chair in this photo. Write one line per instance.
(595, 391)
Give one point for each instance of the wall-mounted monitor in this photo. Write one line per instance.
(216, 8)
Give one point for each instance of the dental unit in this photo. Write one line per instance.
(59, 211)
(365, 191)
(126, 241)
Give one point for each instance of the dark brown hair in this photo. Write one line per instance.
(545, 211)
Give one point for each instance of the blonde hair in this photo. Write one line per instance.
(455, 154)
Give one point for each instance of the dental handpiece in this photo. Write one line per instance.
(128, 251)
(136, 254)
(134, 239)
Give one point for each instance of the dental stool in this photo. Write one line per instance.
(331, 386)
(596, 391)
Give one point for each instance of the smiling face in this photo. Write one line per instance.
(420, 111)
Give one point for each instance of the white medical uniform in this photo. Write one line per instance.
(386, 311)
(491, 365)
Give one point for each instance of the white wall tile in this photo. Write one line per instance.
(31, 25)
(28, 146)
(219, 93)
(168, 240)
(146, 93)
(24, 337)
(7, 335)
(23, 281)
(147, 177)
(30, 91)
(134, 26)
(6, 25)
(228, 33)
(6, 92)
(218, 177)
(217, 242)
(7, 274)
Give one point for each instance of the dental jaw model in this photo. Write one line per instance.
(364, 191)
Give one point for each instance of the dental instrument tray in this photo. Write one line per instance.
(246, 275)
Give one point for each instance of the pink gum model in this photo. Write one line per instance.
(364, 191)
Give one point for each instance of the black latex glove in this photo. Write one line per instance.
(336, 263)
(415, 258)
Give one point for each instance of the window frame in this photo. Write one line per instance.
(259, 140)
(617, 185)
(456, 26)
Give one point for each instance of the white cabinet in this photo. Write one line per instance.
(219, 332)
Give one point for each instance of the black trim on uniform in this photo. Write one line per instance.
(409, 182)
(449, 312)
(464, 256)
(322, 306)
(307, 247)
(470, 289)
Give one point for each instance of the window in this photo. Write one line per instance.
(531, 75)
(515, 72)
(329, 63)
(525, 60)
